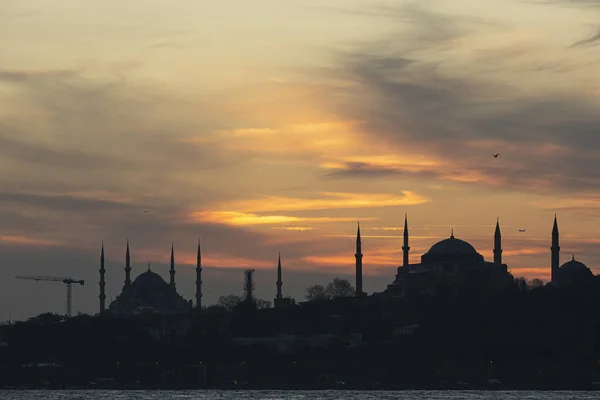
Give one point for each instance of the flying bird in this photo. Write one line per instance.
(521, 230)
(495, 155)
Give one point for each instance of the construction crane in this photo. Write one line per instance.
(66, 281)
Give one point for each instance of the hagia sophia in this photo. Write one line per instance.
(449, 266)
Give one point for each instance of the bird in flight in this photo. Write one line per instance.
(495, 155)
(521, 230)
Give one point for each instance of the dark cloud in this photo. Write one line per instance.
(365, 170)
(547, 139)
(102, 133)
(569, 3)
(594, 39)
(19, 76)
(45, 155)
(428, 28)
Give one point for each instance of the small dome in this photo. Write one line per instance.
(574, 270)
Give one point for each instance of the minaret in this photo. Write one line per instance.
(102, 282)
(199, 278)
(127, 267)
(555, 263)
(172, 271)
(358, 256)
(497, 244)
(406, 247)
(279, 281)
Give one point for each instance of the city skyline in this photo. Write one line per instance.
(265, 128)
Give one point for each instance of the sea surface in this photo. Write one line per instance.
(292, 395)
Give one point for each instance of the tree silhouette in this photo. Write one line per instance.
(535, 283)
(335, 289)
(340, 288)
(229, 302)
(316, 292)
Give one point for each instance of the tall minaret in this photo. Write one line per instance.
(102, 282)
(497, 244)
(358, 256)
(172, 271)
(199, 278)
(279, 281)
(127, 266)
(406, 247)
(555, 263)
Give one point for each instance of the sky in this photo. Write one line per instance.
(267, 126)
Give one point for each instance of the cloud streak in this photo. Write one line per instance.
(325, 201)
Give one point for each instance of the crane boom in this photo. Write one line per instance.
(51, 279)
(66, 281)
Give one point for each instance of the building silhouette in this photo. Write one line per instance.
(571, 272)
(147, 293)
(358, 268)
(451, 266)
(199, 278)
(280, 301)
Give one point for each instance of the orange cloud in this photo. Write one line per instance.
(328, 200)
(293, 228)
(565, 204)
(318, 137)
(349, 261)
(22, 240)
(243, 218)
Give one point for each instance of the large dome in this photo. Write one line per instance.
(149, 280)
(453, 250)
(452, 246)
(149, 292)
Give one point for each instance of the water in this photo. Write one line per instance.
(293, 395)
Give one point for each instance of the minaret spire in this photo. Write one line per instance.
(555, 249)
(127, 266)
(199, 278)
(172, 271)
(102, 282)
(358, 256)
(279, 281)
(497, 244)
(405, 247)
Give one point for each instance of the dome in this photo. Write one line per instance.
(452, 250)
(574, 270)
(452, 246)
(149, 280)
(149, 292)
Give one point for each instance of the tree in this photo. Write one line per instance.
(229, 302)
(316, 292)
(340, 288)
(535, 283)
(335, 289)
(261, 304)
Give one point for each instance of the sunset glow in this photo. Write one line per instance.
(267, 127)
